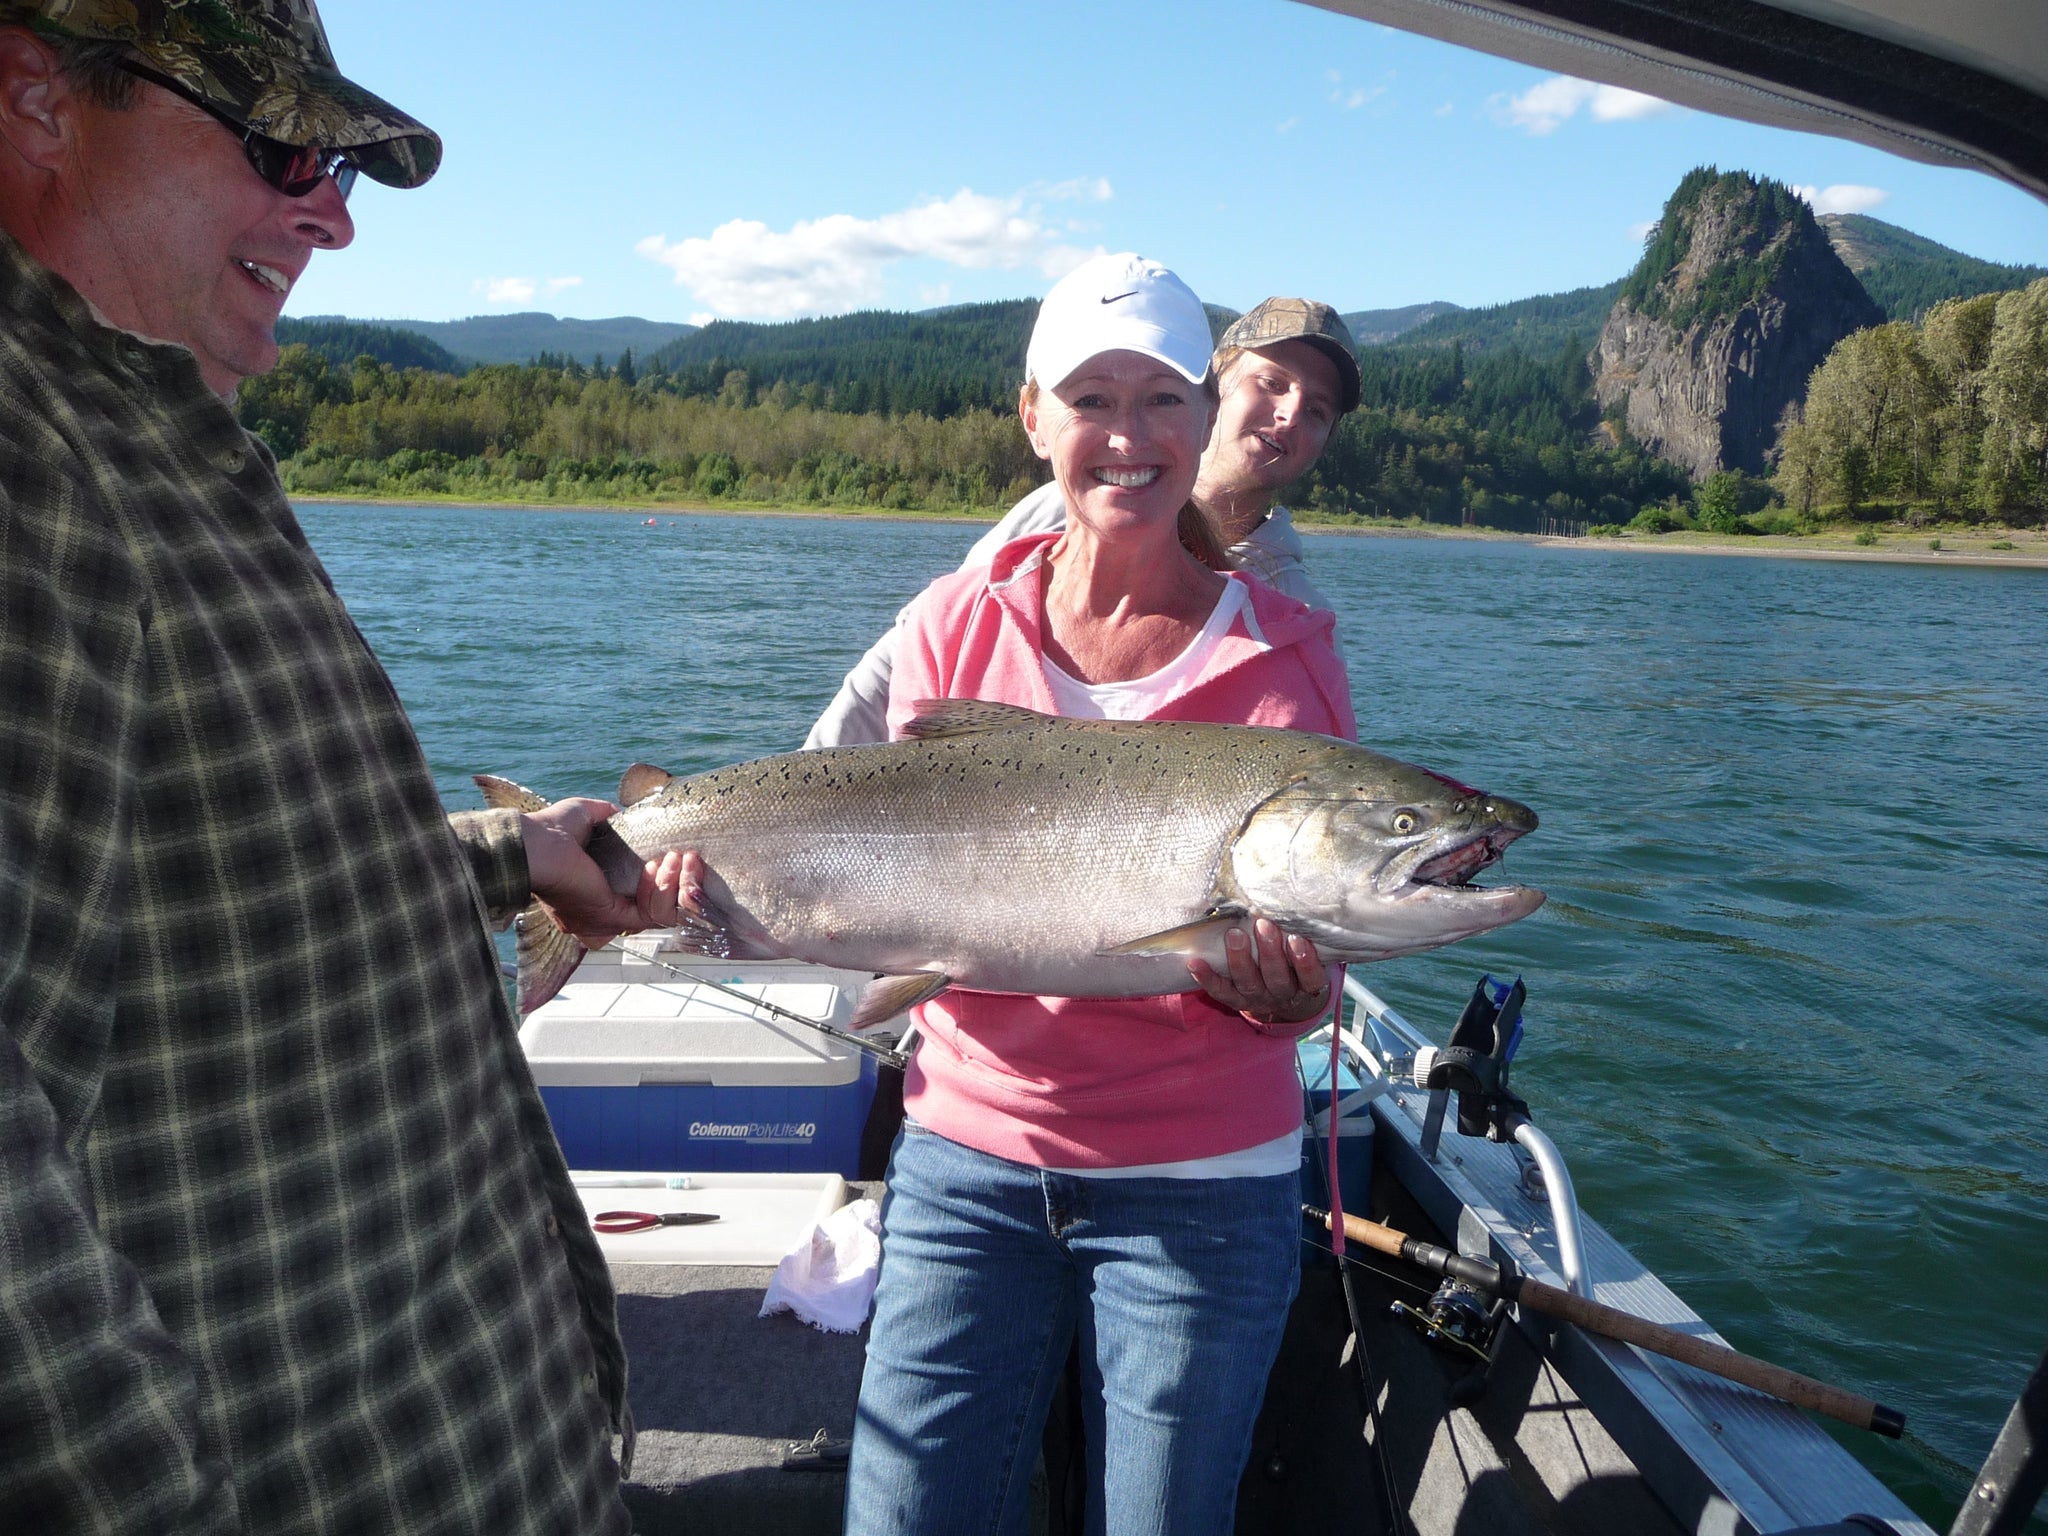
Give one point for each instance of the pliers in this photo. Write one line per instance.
(641, 1221)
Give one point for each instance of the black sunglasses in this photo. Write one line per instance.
(293, 169)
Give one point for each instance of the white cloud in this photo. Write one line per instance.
(1641, 232)
(520, 290)
(837, 263)
(1446, 109)
(1612, 104)
(1843, 198)
(1289, 126)
(1548, 104)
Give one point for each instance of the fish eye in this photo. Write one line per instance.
(1406, 822)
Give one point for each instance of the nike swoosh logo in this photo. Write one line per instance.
(1115, 296)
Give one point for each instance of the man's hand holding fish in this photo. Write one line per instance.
(575, 889)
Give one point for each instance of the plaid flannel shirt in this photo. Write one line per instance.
(286, 1243)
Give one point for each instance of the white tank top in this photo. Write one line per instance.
(1140, 697)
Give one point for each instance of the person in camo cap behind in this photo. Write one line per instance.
(1288, 371)
(285, 1243)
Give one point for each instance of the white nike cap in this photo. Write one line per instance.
(1121, 303)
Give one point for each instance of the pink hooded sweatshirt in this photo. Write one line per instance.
(1105, 1082)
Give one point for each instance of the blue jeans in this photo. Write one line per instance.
(1179, 1289)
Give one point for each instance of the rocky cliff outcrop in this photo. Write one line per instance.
(1737, 299)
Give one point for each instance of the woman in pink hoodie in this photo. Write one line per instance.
(1122, 1170)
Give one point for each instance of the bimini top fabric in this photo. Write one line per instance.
(1949, 82)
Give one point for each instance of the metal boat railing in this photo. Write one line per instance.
(1386, 1040)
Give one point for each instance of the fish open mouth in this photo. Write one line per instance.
(1457, 867)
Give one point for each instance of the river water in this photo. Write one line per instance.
(1788, 1014)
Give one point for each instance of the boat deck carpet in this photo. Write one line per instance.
(718, 1393)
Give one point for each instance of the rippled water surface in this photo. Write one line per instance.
(1788, 1008)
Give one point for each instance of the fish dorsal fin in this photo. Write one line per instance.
(887, 996)
(968, 717)
(642, 780)
(504, 795)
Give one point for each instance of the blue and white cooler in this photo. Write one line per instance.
(646, 1073)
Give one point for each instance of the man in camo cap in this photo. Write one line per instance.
(285, 1242)
(267, 66)
(1287, 371)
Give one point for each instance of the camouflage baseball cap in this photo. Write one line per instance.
(1279, 320)
(264, 63)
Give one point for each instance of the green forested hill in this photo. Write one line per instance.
(521, 338)
(1908, 274)
(1537, 326)
(524, 338)
(1372, 327)
(1497, 437)
(341, 342)
(1469, 415)
(970, 356)
(918, 410)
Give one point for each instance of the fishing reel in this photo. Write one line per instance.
(1460, 1320)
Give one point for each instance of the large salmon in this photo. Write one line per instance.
(1010, 851)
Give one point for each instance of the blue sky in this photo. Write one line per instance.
(682, 161)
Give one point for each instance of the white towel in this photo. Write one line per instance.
(828, 1278)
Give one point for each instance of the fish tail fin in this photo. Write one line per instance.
(548, 952)
(548, 956)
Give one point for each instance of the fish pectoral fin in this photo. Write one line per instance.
(887, 996)
(504, 795)
(642, 780)
(706, 933)
(936, 718)
(712, 931)
(1187, 939)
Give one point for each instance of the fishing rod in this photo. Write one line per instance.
(1611, 1323)
(874, 1048)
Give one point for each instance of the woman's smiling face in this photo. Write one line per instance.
(1124, 434)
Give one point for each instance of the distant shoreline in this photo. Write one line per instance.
(646, 509)
(1970, 547)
